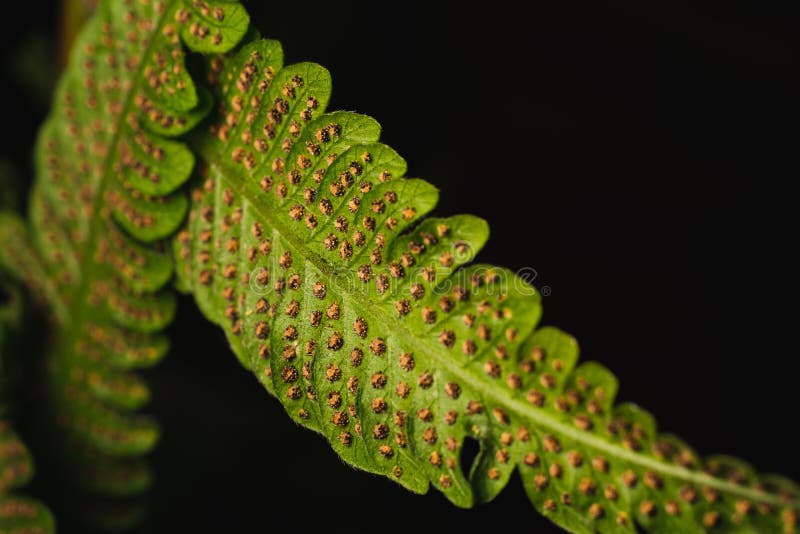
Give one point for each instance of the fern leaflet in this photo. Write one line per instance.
(308, 247)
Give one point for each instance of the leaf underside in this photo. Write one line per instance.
(106, 196)
(306, 244)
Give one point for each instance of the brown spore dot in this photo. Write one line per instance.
(500, 416)
(502, 456)
(447, 338)
(356, 356)
(380, 431)
(596, 511)
(402, 389)
(333, 372)
(600, 464)
(378, 380)
(334, 311)
(429, 435)
(672, 508)
(547, 381)
(425, 380)
(289, 352)
(629, 478)
(379, 405)
(319, 290)
(340, 419)
(453, 390)
(290, 333)
(417, 292)
(743, 507)
(492, 369)
(292, 309)
(469, 348)
(587, 486)
(403, 306)
(484, 332)
(406, 361)
(574, 458)
(711, 519)
(611, 492)
(360, 327)
(555, 470)
(262, 330)
(583, 422)
(647, 508)
(711, 495)
(531, 459)
(653, 481)
(378, 346)
(474, 407)
(352, 384)
(289, 374)
(334, 399)
(330, 241)
(382, 283)
(688, 494)
(428, 315)
(551, 444)
(365, 274)
(396, 270)
(335, 341)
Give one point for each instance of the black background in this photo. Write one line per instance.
(638, 155)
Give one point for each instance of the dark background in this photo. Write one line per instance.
(638, 155)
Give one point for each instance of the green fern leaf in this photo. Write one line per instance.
(107, 194)
(308, 247)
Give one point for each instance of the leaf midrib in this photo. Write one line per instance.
(539, 417)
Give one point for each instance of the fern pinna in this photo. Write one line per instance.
(18, 514)
(106, 194)
(308, 246)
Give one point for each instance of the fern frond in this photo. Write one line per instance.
(106, 195)
(17, 514)
(307, 245)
